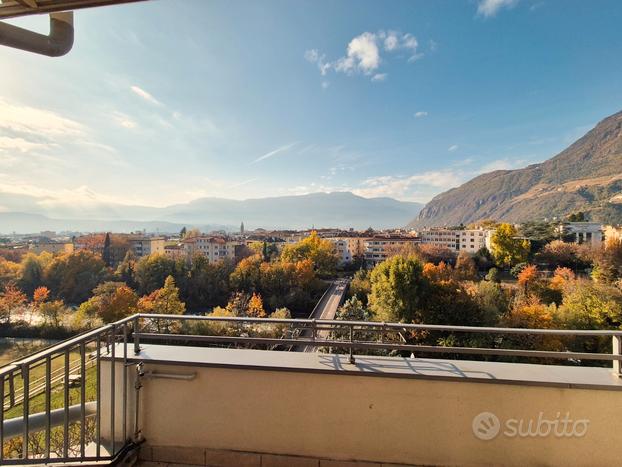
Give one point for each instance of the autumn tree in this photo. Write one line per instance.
(320, 251)
(106, 253)
(40, 295)
(440, 273)
(608, 262)
(11, 299)
(111, 301)
(562, 277)
(507, 249)
(32, 271)
(164, 301)
(465, 267)
(255, 307)
(528, 276)
(52, 311)
(9, 272)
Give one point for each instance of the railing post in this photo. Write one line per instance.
(136, 337)
(351, 359)
(617, 350)
(313, 329)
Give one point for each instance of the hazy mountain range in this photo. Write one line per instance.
(587, 176)
(29, 214)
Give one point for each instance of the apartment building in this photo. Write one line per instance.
(174, 251)
(51, 247)
(349, 248)
(379, 248)
(145, 246)
(214, 248)
(342, 249)
(469, 240)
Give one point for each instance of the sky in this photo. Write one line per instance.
(167, 101)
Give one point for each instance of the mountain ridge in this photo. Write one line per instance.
(586, 176)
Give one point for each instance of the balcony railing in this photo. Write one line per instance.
(53, 409)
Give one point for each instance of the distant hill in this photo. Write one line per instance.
(587, 176)
(27, 214)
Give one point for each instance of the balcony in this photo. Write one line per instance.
(179, 389)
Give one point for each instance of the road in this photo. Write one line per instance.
(326, 309)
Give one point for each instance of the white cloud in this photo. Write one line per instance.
(124, 120)
(363, 53)
(325, 84)
(418, 187)
(452, 148)
(145, 95)
(421, 114)
(274, 152)
(391, 42)
(489, 8)
(18, 144)
(34, 121)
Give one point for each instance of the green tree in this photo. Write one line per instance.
(507, 249)
(106, 253)
(31, 273)
(126, 270)
(493, 275)
(398, 288)
(151, 272)
(360, 285)
(73, 276)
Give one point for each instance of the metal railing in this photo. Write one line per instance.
(52, 410)
(49, 421)
(390, 336)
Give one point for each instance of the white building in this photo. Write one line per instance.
(470, 241)
(590, 233)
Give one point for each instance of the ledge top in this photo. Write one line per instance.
(366, 365)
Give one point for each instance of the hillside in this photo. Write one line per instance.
(587, 176)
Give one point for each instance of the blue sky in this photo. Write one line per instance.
(167, 101)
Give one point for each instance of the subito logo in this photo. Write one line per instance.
(486, 426)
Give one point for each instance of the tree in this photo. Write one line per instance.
(52, 311)
(164, 301)
(360, 285)
(151, 272)
(397, 289)
(40, 295)
(440, 273)
(492, 300)
(465, 267)
(428, 253)
(111, 301)
(577, 217)
(106, 253)
(126, 270)
(561, 277)
(31, 273)
(588, 305)
(73, 276)
(9, 272)
(182, 232)
(11, 299)
(321, 252)
(608, 262)
(206, 284)
(528, 276)
(507, 249)
(353, 310)
(255, 307)
(493, 275)
(559, 253)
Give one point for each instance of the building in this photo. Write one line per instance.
(51, 247)
(214, 248)
(379, 248)
(174, 251)
(590, 233)
(342, 249)
(145, 246)
(469, 240)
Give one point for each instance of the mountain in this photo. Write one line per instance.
(339, 209)
(587, 176)
(29, 214)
